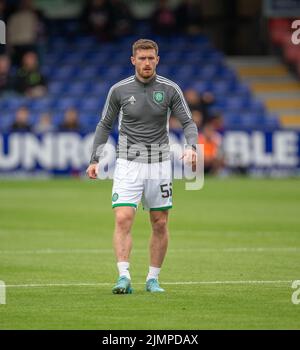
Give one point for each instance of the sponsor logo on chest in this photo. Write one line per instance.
(132, 100)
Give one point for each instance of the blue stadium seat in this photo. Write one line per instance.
(112, 72)
(40, 104)
(199, 39)
(121, 58)
(225, 73)
(90, 104)
(35, 116)
(208, 72)
(185, 73)
(127, 40)
(216, 57)
(202, 86)
(72, 58)
(51, 59)
(256, 105)
(78, 88)
(252, 120)
(86, 43)
(57, 88)
(6, 120)
(242, 90)
(232, 120)
(164, 70)
(272, 121)
(236, 103)
(12, 102)
(64, 72)
(220, 87)
(88, 72)
(57, 117)
(99, 88)
(57, 44)
(96, 57)
(66, 102)
(46, 70)
(171, 57)
(192, 57)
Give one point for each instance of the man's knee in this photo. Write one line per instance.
(159, 224)
(123, 219)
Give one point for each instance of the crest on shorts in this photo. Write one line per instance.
(115, 197)
(158, 96)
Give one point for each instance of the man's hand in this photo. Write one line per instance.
(92, 171)
(190, 158)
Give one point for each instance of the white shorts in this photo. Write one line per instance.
(136, 182)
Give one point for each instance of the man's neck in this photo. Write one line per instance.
(145, 80)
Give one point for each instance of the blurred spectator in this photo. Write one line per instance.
(29, 79)
(213, 153)
(3, 12)
(193, 99)
(163, 19)
(194, 102)
(97, 17)
(217, 121)
(6, 83)
(197, 118)
(44, 124)
(201, 103)
(21, 122)
(71, 121)
(122, 18)
(23, 30)
(189, 17)
(207, 99)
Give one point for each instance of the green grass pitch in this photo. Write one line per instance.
(233, 254)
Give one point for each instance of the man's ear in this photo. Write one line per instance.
(133, 60)
(158, 58)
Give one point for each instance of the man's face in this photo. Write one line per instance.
(145, 62)
(4, 64)
(30, 60)
(22, 116)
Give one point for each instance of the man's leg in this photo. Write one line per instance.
(122, 240)
(159, 238)
(158, 247)
(122, 243)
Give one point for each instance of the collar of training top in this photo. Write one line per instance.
(148, 82)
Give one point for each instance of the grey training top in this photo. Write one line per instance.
(144, 110)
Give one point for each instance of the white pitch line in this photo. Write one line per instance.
(45, 285)
(57, 251)
(204, 250)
